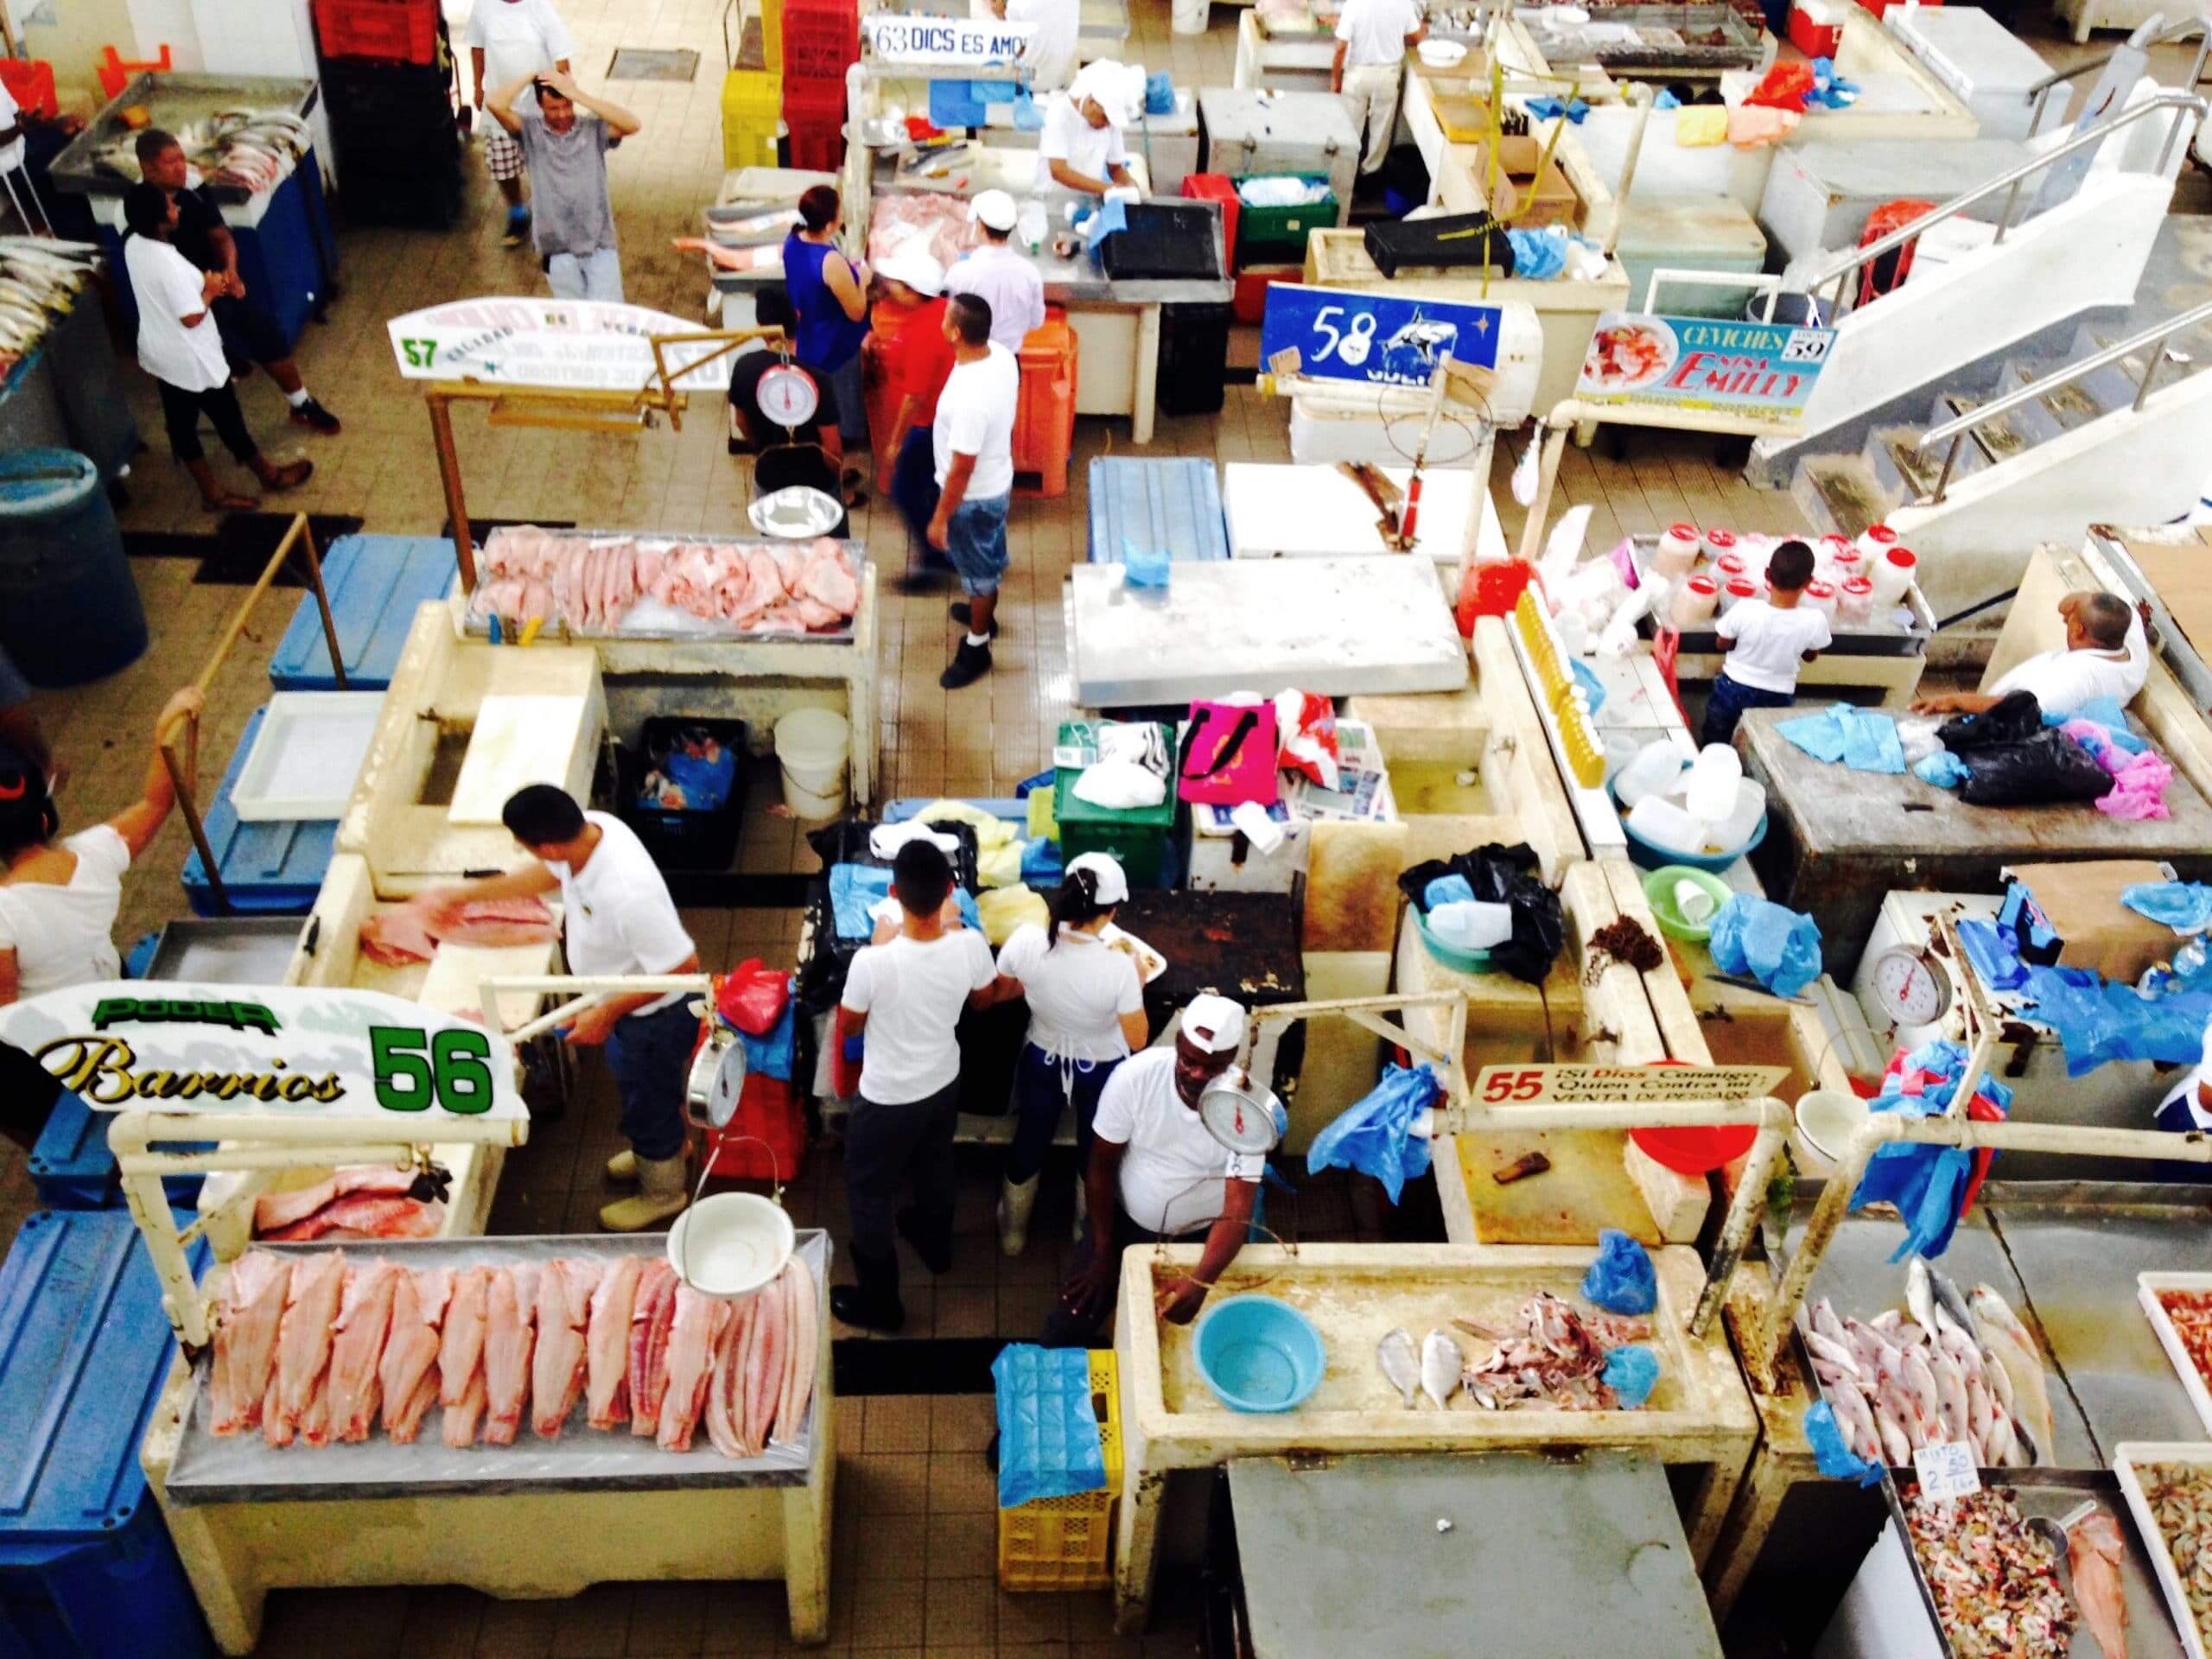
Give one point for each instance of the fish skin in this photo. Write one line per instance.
(1951, 1391)
(1948, 1298)
(1441, 1361)
(1927, 1398)
(1401, 1365)
(1919, 1292)
(1896, 1445)
(1834, 1353)
(1854, 1417)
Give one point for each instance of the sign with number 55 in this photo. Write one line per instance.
(275, 1051)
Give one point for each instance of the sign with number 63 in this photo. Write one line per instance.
(277, 1051)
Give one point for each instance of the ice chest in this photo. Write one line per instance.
(1277, 235)
(1242, 132)
(86, 1568)
(1136, 836)
(271, 868)
(376, 584)
(1223, 858)
(1701, 233)
(1174, 504)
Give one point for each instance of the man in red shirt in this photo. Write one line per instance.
(917, 361)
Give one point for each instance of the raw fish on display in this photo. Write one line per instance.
(510, 1334)
(1553, 1358)
(303, 1340)
(607, 1345)
(2095, 1549)
(556, 1375)
(940, 220)
(1994, 1582)
(649, 1323)
(357, 1348)
(364, 1202)
(407, 1375)
(1441, 1365)
(1401, 1365)
(461, 1355)
(592, 584)
(410, 932)
(246, 1340)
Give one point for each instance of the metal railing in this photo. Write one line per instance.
(2181, 104)
(2039, 94)
(2154, 337)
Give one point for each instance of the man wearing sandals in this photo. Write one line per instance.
(181, 347)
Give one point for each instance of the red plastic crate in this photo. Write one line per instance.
(819, 41)
(31, 85)
(400, 31)
(767, 1109)
(812, 148)
(1250, 303)
(1218, 186)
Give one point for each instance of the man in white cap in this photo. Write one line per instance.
(1157, 1173)
(1081, 148)
(1373, 37)
(1000, 274)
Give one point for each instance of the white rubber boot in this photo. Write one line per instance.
(1016, 1200)
(663, 1193)
(623, 1166)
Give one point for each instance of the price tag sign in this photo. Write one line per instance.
(1947, 1471)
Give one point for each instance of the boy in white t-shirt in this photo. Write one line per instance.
(906, 994)
(1768, 640)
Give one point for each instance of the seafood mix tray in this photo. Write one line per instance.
(246, 1469)
(2183, 1555)
(2149, 1287)
(174, 102)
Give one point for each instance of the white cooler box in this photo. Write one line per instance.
(1246, 132)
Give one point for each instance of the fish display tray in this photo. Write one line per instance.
(246, 1469)
(173, 100)
(689, 628)
(1712, 36)
(2127, 1463)
(2147, 1286)
(306, 756)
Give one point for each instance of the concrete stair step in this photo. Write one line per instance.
(1841, 494)
(1908, 474)
(2005, 436)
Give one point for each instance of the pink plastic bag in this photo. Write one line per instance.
(1229, 755)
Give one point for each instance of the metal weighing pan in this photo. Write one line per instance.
(227, 950)
(172, 101)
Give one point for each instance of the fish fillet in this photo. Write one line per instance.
(460, 1340)
(462, 1416)
(690, 1347)
(351, 1386)
(762, 1369)
(408, 932)
(273, 1210)
(303, 1340)
(411, 1352)
(607, 1343)
(246, 1340)
(557, 1375)
(510, 1334)
(806, 1351)
(649, 1326)
(363, 1215)
(405, 1422)
(315, 1421)
(2095, 1549)
(721, 1414)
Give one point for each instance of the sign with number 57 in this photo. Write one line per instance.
(275, 1051)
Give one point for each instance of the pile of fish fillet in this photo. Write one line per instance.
(311, 1349)
(412, 932)
(590, 583)
(360, 1201)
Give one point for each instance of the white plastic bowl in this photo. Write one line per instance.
(1828, 1117)
(731, 1244)
(1441, 54)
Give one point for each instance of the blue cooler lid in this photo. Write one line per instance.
(84, 1351)
(44, 483)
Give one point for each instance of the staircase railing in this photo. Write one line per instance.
(2039, 94)
(2183, 105)
(2154, 337)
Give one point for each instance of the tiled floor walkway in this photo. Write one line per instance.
(914, 1553)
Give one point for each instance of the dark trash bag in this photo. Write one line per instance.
(1503, 875)
(2048, 770)
(2015, 718)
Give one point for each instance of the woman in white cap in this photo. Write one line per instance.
(1156, 1173)
(1086, 1015)
(1081, 147)
(1000, 274)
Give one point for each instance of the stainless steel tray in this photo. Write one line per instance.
(227, 950)
(173, 100)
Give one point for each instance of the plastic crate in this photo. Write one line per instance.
(813, 146)
(1174, 504)
(1044, 421)
(1218, 186)
(1250, 304)
(752, 114)
(1067, 1543)
(87, 1568)
(376, 584)
(399, 31)
(1137, 836)
(819, 42)
(1275, 236)
(684, 840)
(30, 83)
(768, 1110)
(271, 867)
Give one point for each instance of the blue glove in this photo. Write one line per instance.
(1835, 1458)
(1621, 1280)
(2185, 907)
(1942, 769)
(1777, 947)
(1632, 1372)
(1375, 1135)
(1448, 890)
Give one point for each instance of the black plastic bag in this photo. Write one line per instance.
(2015, 719)
(1503, 875)
(2049, 769)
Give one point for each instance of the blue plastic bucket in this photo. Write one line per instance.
(1259, 1354)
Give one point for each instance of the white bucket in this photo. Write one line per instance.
(812, 746)
(1190, 17)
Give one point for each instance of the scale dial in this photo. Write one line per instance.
(1243, 1118)
(1910, 985)
(728, 1084)
(788, 397)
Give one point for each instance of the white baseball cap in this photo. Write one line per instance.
(916, 267)
(1111, 882)
(1214, 1023)
(994, 209)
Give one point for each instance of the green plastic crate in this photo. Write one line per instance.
(1138, 837)
(1276, 236)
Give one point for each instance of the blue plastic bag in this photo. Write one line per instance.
(1991, 955)
(1621, 1279)
(1927, 1184)
(1776, 946)
(2185, 907)
(1830, 1450)
(1447, 890)
(1049, 1445)
(1538, 256)
(1160, 94)
(1041, 864)
(856, 889)
(773, 1056)
(2103, 711)
(1113, 216)
(1546, 108)
(1373, 1136)
(1028, 117)
(1144, 567)
(1631, 1372)
(1666, 101)
(1942, 770)
(2098, 1021)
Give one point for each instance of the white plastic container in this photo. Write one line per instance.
(1718, 542)
(812, 747)
(1743, 816)
(1755, 551)
(1693, 903)
(1739, 590)
(1876, 540)
(1824, 553)
(1727, 568)
(1821, 596)
(1848, 565)
(1697, 601)
(1711, 793)
(1664, 824)
(1892, 574)
(1621, 748)
(1656, 769)
(1677, 550)
(1854, 604)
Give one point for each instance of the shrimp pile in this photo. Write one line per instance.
(2180, 1496)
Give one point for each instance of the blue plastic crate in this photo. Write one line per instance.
(72, 1168)
(86, 1568)
(376, 584)
(273, 869)
(1175, 505)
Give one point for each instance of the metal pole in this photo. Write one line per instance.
(2151, 370)
(1532, 533)
(322, 601)
(464, 549)
(1743, 1220)
(2004, 219)
(181, 781)
(1950, 455)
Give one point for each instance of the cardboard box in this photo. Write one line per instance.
(1530, 202)
(2095, 930)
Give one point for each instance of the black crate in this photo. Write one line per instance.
(416, 149)
(356, 92)
(1163, 242)
(1193, 358)
(682, 841)
(413, 202)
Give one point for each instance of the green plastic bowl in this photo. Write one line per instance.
(1659, 894)
(1467, 962)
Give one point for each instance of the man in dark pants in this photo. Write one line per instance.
(619, 922)
(905, 991)
(249, 334)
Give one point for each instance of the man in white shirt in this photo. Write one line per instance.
(1080, 146)
(510, 40)
(973, 445)
(1000, 274)
(2107, 655)
(1373, 37)
(903, 997)
(1156, 1173)
(1050, 56)
(619, 920)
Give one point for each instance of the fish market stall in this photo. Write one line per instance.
(1699, 1418)
(250, 138)
(60, 385)
(742, 236)
(1631, 41)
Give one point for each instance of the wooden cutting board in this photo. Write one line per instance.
(1586, 1189)
(516, 740)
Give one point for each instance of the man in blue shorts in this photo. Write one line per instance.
(973, 444)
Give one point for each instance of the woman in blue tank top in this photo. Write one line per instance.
(828, 290)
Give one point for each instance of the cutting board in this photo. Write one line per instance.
(457, 972)
(517, 740)
(1588, 1188)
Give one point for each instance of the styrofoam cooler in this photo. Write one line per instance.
(1818, 196)
(1988, 66)
(1680, 233)
(1242, 133)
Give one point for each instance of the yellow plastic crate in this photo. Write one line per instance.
(772, 33)
(1067, 1543)
(752, 114)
